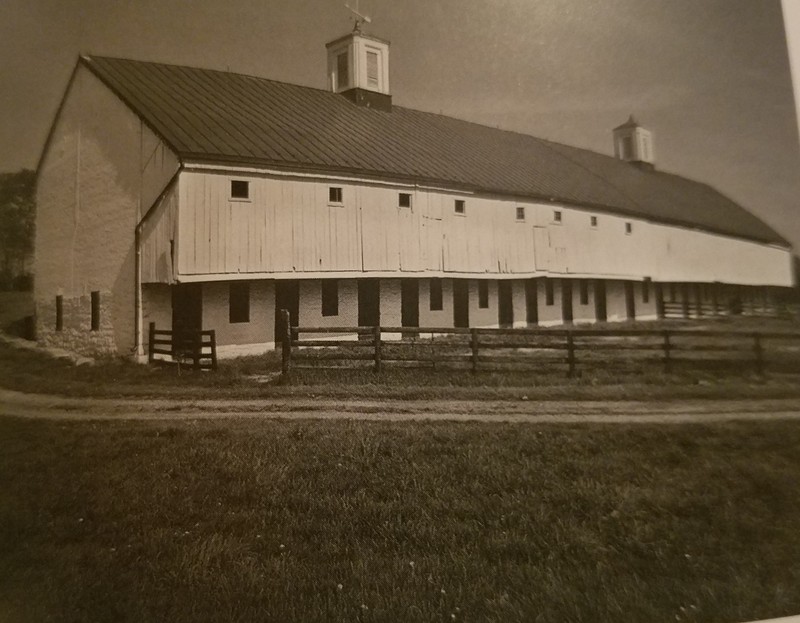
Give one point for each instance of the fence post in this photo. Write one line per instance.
(570, 354)
(667, 355)
(213, 345)
(286, 346)
(151, 343)
(473, 342)
(376, 336)
(759, 353)
(197, 349)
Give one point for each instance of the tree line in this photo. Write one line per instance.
(17, 222)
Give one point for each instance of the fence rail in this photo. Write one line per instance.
(568, 350)
(198, 348)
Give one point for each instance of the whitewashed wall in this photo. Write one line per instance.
(101, 171)
(288, 228)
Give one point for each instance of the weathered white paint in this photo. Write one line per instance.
(436, 318)
(311, 307)
(101, 168)
(520, 304)
(159, 235)
(260, 330)
(289, 229)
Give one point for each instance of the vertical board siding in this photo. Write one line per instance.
(158, 232)
(289, 226)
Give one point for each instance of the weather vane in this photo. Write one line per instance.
(359, 19)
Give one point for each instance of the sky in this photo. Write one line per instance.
(709, 78)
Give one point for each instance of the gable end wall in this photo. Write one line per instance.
(101, 171)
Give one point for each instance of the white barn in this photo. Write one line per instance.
(195, 198)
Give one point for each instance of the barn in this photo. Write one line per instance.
(193, 198)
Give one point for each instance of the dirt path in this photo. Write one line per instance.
(57, 407)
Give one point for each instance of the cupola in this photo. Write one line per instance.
(358, 68)
(634, 144)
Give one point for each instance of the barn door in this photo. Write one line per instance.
(460, 303)
(187, 307)
(566, 300)
(505, 304)
(409, 302)
(600, 311)
(630, 302)
(369, 302)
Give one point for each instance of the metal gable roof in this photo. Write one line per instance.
(218, 116)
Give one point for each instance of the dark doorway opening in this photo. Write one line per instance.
(630, 301)
(369, 302)
(566, 301)
(460, 303)
(187, 314)
(532, 302)
(659, 300)
(187, 307)
(287, 296)
(505, 304)
(600, 310)
(409, 302)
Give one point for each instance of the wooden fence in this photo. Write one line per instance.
(196, 348)
(548, 350)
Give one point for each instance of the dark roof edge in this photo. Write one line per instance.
(89, 64)
(188, 159)
(57, 118)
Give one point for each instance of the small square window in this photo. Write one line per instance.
(404, 200)
(239, 302)
(628, 227)
(436, 294)
(593, 221)
(483, 294)
(240, 189)
(520, 214)
(330, 297)
(548, 292)
(334, 194)
(461, 206)
(95, 311)
(557, 216)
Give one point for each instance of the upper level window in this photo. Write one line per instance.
(342, 73)
(557, 216)
(593, 221)
(520, 214)
(330, 297)
(372, 69)
(334, 194)
(240, 189)
(483, 294)
(628, 227)
(404, 200)
(460, 206)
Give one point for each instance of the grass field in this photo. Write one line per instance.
(347, 521)
(258, 377)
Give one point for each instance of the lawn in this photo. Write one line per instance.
(258, 377)
(354, 521)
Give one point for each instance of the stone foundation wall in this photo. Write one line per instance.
(76, 334)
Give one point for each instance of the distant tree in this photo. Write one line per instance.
(17, 217)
